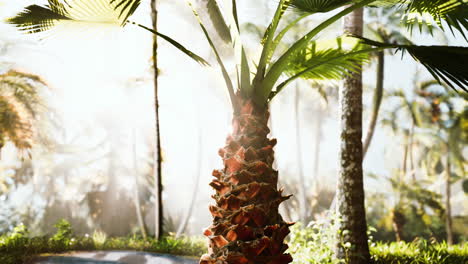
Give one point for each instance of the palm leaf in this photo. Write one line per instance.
(224, 71)
(419, 12)
(326, 60)
(443, 62)
(20, 104)
(36, 19)
(318, 6)
(210, 9)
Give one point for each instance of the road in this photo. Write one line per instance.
(115, 257)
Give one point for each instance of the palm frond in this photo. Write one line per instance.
(23, 88)
(13, 126)
(326, 60)
(317, 6)
(445, 63)
(35, 18)
(20, 104)
(428, 12)
(224, 71)
(128, 8)
(211, 10)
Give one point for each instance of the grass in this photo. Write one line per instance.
(308, 245)
(17, 247)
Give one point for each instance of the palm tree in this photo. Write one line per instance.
(350, 187)
(247, 227)
(20, 108)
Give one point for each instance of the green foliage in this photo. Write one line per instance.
(17, 247)
(309, 245)
(440, 61)
(63, 237)
(419, 252)
(314, 245)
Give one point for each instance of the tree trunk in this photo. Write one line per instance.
(139, 214)
(377, 101)
(350, 189)
(448, 205)
(247, 227)
(303, 206)
(158, 189)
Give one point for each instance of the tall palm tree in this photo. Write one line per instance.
(247, 227)
(20, 107)
(350, 187)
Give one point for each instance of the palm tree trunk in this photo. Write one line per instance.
(247, 227)
(302, 183)
(448, 205)
(158, 189)
(139, 214)
(377, 101)
(350, 187)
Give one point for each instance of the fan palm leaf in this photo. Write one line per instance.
(429, 12)
(317, 6)
(444, 63)
(37, 19)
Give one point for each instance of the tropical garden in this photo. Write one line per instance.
(233, 132)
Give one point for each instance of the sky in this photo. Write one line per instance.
(101, 78)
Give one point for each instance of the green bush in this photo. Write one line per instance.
(314, 245)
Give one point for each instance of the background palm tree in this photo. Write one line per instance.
(20, 106)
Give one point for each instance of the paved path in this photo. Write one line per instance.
(115, 257)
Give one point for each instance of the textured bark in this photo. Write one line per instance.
(350, 189)
(158, 189)
(377, 101)
(247, 227)
(448, 205)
